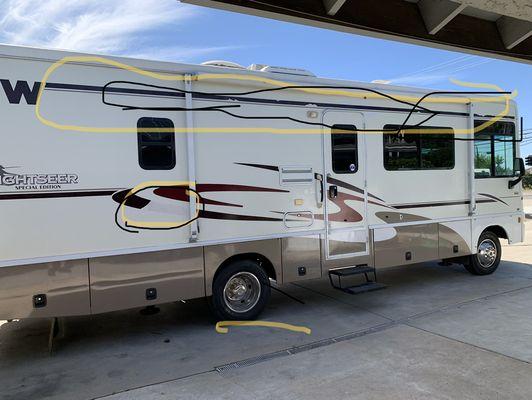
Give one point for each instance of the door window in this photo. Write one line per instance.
(344, 146)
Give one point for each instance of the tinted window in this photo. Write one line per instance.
(156, 141)
(495, 150)
(418, 150)
(344, 147)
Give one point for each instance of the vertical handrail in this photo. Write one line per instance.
(191, 156)
(471, 147)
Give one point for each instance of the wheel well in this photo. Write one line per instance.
(497, 230)
(263, 262)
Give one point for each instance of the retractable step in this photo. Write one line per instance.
(368, 286)
(364, 287)
(359, 269)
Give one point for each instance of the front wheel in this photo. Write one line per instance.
(240, 291)
(488, 255)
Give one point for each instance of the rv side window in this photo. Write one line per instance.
(495, 150)
(156, 141)
(418, 150)
(344, 148)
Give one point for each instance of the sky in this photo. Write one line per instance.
(170, 31)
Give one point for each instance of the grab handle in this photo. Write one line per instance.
(319, 189)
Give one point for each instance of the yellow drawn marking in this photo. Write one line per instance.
(157, 224)
(221, 326)
(273, 82)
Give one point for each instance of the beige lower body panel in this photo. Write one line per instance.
(120, 282)
(400, 245)
(301, 258)
(65, 284)
(454, 239)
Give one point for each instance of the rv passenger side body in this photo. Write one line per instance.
(117, 181)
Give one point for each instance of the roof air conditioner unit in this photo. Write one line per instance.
(223, 64)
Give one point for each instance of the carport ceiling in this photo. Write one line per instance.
(495, 28)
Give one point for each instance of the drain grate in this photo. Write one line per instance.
(310, 346)
(357, 334)
(252, 361)
(304, 347)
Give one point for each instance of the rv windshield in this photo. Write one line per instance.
(495, 150)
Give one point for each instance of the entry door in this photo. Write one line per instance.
(345, 188)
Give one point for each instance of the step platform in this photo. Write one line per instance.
(363, 269)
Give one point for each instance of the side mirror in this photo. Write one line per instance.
(519, 169)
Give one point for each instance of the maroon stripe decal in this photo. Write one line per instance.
(440, 204)
(220, 187)
(235, 217)
(181, 195)
(346, 185)
(177, 193)
(334, 181)
(346, 213)
(134, 201)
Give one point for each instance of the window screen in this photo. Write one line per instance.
(494, 150)
(419, 150)
(344, 148)
(156, 148)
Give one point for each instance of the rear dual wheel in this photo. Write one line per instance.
(240, 291)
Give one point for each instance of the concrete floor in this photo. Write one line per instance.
(435, 333)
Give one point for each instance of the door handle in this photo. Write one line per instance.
(333, 192)
(319, 189)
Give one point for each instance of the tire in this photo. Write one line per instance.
(240, 291)
(488, 256)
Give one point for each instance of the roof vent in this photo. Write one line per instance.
(223, 64)
(280, 70)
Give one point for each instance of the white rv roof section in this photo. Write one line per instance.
(52, 56)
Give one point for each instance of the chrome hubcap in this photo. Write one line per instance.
(487, 253)
(242, 292)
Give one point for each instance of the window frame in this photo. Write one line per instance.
(492, 142)
(143, 143)
(419, 149)
(355, 134)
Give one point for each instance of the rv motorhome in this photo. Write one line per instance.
(127, 183)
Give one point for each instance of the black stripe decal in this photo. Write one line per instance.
(99, 89)
(53, 195)
(493, 197)
(261, 166)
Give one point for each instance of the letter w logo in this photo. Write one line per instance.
(21, 88)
